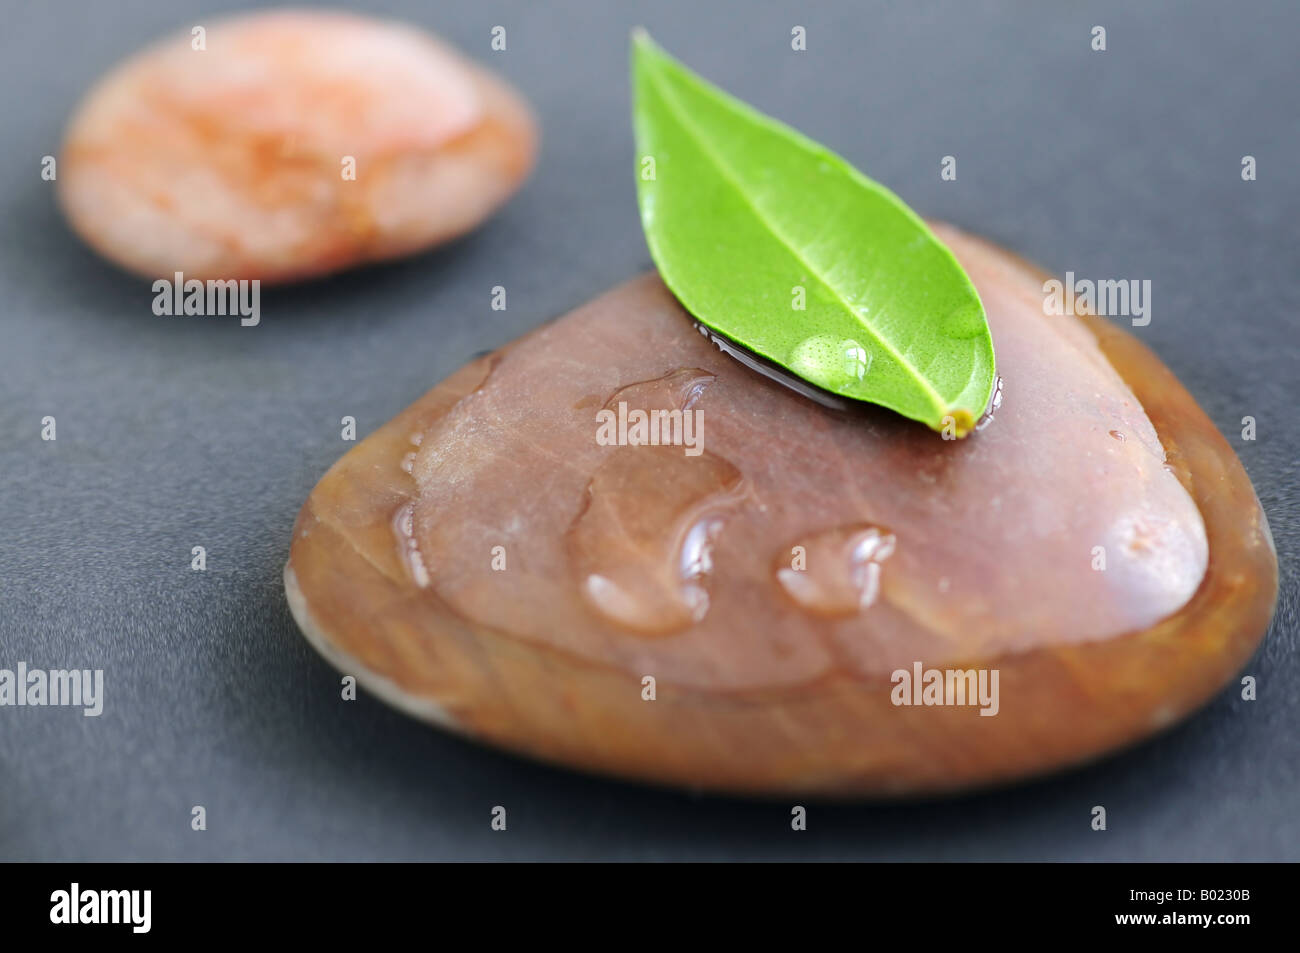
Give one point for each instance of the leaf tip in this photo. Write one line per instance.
(642, 41)
(959, 422)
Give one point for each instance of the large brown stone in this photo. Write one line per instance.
(772, 676)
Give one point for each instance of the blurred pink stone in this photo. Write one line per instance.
(230, 161)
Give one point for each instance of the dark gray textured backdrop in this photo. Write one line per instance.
(174, 432)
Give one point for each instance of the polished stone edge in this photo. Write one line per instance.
(425, 709)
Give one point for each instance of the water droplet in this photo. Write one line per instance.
(408, 550)
(995, 401)
(830, 362)
(856, 360)
(676, 390)
(642, 547)
(772, 370)
(840, 574)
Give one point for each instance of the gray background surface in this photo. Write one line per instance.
(175, 432)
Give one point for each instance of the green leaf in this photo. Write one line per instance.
(741, 212)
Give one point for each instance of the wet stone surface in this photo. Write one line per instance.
(772, 582)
